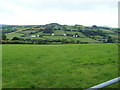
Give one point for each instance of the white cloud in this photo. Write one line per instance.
(85, 12)
(64, 18)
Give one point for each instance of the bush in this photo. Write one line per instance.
(15, 38)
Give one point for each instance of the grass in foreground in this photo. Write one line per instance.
(59, 66)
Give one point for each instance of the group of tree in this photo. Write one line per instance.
(4, 37)
(48, 29)
(89, 33)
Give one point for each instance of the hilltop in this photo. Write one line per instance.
(56, 33)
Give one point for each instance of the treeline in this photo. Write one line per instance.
(9, 28)
(17, 40)
(41, 42)
(89, 33)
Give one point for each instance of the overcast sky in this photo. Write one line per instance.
(70, 12)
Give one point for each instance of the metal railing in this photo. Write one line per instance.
(104, 84)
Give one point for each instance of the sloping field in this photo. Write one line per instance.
(13, 34)
(59, 66)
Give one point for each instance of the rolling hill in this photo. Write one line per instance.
(56, 33)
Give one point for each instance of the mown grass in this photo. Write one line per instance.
(59, 66)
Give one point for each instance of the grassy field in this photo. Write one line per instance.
(59, 32)
(59, 66)
(0, 67)
(13, 34)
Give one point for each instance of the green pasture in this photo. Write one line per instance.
(59, 32)
(55, 37)
(58, 66)
(0, 66)
(73, 33)
(85, 40)
(27, 32)
(13, 34)
(107, 31)
(41, 33)
(114, 35)
(69, 38)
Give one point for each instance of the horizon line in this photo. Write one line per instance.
(60, 24)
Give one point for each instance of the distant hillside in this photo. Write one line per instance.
(56, 33)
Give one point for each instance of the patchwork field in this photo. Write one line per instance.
(59, 66)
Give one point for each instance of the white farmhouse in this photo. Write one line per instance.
(33, 35)
(64, 34)
(76, 35)
(53, 34)
(38, 35)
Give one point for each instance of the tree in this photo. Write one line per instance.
(94, 26)
(15, 38)
(4, 37)
(109, 40)
(48, 29)
(64, 41)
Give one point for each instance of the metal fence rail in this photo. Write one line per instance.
(104, 84)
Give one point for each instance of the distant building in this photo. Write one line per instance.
(53, 34)
(33, 35)
(76, 35)
(30, 35)
(64, 34)
(38, 35)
